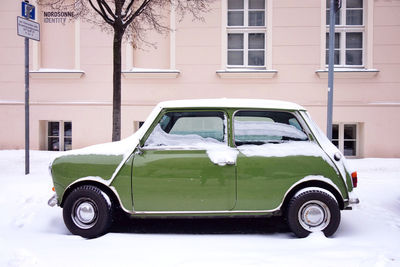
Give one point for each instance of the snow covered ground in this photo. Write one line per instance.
(33, 234)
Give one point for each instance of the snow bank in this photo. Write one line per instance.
(34, 234)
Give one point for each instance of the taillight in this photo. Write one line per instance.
(354, 179)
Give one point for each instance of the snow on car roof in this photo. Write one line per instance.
(232, 103)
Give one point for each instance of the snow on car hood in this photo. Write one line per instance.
(123, 147)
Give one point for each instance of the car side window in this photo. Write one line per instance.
(195, 128)
(261, 127)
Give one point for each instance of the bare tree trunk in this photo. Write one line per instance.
(116, 131)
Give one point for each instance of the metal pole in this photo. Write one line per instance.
(26, 106)
(331, 68)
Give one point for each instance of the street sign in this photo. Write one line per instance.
(28, 29)
(28, 10)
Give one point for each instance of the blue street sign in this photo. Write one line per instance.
(28, 10)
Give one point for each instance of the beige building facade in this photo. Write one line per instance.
(269, 49)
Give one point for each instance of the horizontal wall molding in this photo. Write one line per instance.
(136, 104)
(245, 74)
(56, 74)
(349, 73)
(106, 104)
(151, 74)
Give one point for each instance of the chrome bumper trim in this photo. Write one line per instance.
(354, 201)
(52, 201)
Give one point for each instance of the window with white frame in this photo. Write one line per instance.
(345, 137)
(137, 125)
(349, 34)
(246, 31)
(59, 135)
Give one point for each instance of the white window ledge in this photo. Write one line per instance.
(349, 73)
(56, 74)
(139, 73)
(245, 73)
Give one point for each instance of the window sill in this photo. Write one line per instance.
(56, 74)
(245, 73)
(138, 73)
(349, 73)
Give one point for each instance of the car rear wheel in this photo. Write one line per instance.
(87, 212)
(313, 211)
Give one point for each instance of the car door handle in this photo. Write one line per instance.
(228, 162)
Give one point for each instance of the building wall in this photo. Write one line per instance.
(295, 52)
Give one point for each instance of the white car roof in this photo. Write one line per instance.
(231, 103)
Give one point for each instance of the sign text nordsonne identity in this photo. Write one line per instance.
(57, 16)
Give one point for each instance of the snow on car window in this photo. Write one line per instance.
(189, 128)
(194, 130)
(204, 126)
(218, 152)
(160, 138)
(260, 127)
(265, 131)
(301, 148)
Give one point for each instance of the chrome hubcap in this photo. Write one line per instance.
(84, 213)
(314, 216)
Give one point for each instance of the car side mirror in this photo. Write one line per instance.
(139, 149)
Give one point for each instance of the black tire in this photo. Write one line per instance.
(313, 211)
(87, 212)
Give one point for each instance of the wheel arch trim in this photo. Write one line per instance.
(102, 184)
(314, 182)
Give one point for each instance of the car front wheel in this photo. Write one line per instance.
(87, 212)
(313, 211)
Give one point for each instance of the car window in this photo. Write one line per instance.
(212, 127)
(189, 129)
(261, 127)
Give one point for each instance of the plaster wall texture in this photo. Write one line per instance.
(197, 51)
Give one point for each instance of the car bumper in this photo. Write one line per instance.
(53, 201)
(353, 200)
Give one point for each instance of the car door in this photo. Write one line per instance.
(180, 167)
(275, 153)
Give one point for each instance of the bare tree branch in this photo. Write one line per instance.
(137, 12)
(129, 23)
(106, 19)
(128, 9)
(103, 4)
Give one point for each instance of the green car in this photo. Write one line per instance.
(214, 158)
